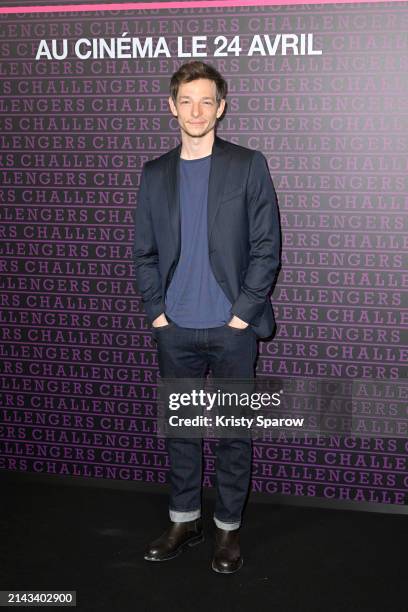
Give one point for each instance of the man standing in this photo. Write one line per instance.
(207, 250)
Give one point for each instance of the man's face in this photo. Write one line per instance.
(196, 107)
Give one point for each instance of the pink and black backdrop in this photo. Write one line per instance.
(79, 366)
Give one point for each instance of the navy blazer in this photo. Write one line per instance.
(243, 231)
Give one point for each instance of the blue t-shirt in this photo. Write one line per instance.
(194, 298)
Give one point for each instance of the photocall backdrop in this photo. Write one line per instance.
(329, 112)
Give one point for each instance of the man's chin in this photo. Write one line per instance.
(197, 133)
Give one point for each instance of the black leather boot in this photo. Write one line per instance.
(227, 554)
(174, 540)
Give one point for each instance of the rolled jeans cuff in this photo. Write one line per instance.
(183, 517)
(226, 526)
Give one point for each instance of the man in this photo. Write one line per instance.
(207, 250)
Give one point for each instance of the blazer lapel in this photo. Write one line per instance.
(218, 171)
(173, 195)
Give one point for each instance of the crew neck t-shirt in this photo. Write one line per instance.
(194, 299)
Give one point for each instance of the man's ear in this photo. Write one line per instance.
(172, 106)
(220, 109)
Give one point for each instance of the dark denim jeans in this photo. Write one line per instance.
(188, 353)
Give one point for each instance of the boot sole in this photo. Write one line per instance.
(220, 571)
(192, 542)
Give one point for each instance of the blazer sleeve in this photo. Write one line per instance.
(146, 255)
(264, 241)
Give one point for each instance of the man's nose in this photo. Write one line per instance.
(196, 110)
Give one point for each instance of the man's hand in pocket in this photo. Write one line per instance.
(238, 323)
(160, 321)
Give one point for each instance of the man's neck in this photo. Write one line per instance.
(195, 148)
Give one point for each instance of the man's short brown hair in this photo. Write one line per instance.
(190, 71)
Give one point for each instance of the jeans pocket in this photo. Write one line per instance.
(161, 327)
(236, 331)
(158, 331)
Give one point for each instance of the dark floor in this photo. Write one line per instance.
(91, 540)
